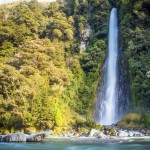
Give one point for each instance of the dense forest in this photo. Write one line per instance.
(135, 28)
(46, 80)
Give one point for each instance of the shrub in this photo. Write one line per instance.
(30, 130)
(88, 125)
(134, 120)
(145, 119)
(130, 121)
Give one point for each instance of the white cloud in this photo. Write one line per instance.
(8, 1)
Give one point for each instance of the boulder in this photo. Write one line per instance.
(15, 137)
(21, 137)
(76, 134)
(123, 133)
(130, 133)
(47, 132)
(97, 134)
(137, 134)
(102, 136)
(1, 138)
(110, 130)
(36, 138)
(94, 133)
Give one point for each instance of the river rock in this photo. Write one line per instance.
(131, 133)
(110, 130)
(123, 133)
(76, 134)
(21, 137)
(36, 138)
(102, 135)
(1, 138)
(15, 137)
(137, 134)
(94, 133)
(47, 133)
(97, 134)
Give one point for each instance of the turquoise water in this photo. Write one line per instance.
(51, 145)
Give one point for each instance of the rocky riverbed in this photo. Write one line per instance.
(108, 132)
(108, 135)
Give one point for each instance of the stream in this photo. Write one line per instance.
(61, 144)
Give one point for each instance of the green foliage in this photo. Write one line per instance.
(134, 16)
(92, 124)
(30, 130)
(58, 118)
(42, 83)
(99, 18)
(94, 56)
(57, 33)
(4, 131)
(135, 121)
(130, 121)
(6, 31)
(45, 80)
(145, 119)
(7, 49)
(86, 126)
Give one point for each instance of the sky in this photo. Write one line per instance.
(8, 1)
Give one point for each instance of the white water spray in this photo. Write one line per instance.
(109, 111)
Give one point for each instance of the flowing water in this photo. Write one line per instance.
(112, 100)
(52, 145)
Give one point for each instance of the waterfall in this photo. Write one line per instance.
(109, 107)
(112, 102)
